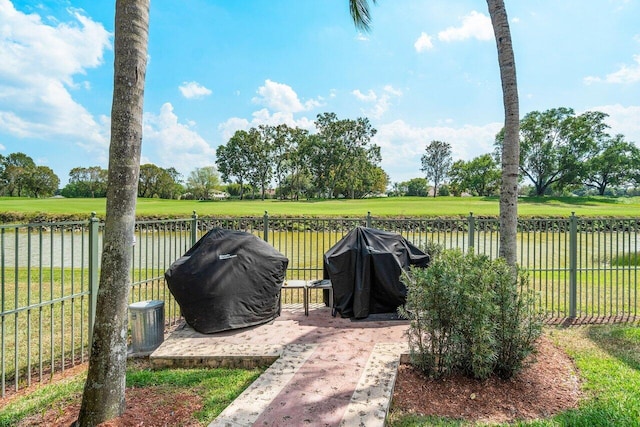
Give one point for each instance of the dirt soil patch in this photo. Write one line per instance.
(148, 406)
(546, 387)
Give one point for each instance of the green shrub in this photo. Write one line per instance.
(470, 314)
(433, 248)
(628, 259)
(443, 190)
(518, 324)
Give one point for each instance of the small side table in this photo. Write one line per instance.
(318, 284)
(299, 284)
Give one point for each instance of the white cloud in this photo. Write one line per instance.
(282, 98)
(369, 97)
(402, 145)
(2, 147)
(423, 43)
(622, 120)
(393, 91)
(37, 70)
(263, 117)
(174, 144)
(43, 161)
(231, 125)
(475, 25)
(281, 102)
(620, 4)
(381, 102)
(625, 74)
(193, 90)
(361, 37)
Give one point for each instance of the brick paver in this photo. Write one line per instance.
(324, 370)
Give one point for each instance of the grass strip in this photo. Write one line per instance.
(56, 395)
(217, 388)
(379, 207)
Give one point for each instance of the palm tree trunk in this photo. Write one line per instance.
(104, 392)
(511, 145)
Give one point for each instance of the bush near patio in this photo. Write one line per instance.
(470, 314)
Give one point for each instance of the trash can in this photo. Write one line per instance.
(146, 319)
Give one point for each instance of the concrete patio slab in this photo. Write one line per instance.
(323, 370)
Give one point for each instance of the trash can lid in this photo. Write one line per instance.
(146, 304)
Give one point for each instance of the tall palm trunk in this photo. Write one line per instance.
(104, 390)
(511, 146)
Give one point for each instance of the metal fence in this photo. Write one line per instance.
(49, 275)
(583, 268)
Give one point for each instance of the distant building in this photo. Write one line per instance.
(218, 195)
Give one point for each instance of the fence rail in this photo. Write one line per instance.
(579, 267)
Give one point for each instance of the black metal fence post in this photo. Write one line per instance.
(265, 221)
(472, 230)
(194, 228)
(573, 265)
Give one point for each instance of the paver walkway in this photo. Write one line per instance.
(324, 370)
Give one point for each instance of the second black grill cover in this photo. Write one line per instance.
(228, 280)
(365, 268)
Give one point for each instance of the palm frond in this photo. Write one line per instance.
(361, 14)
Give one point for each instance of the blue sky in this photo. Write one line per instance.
(427, 71)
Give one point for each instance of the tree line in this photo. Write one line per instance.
(20, 177)
(560, 152)
(338, 160)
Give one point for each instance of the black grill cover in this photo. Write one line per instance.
(228, 280)
(365, 268)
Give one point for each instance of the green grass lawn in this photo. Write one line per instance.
(381, 207)
(217, 388)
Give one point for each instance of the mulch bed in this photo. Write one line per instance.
(546, 387)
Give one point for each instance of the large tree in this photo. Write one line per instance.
(86, 182)
(556, 144)
(616, 163)
(261, 158)
(436, 162)
(510, 149)
(416, 187)
(203, 181)
(341, 155)
(104, 391)
(16, 169)
(233, 158)
(480, 176)
(42, 182)
(159, 182)
(299, 177)
(282, 150)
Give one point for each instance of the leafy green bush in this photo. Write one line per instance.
(470, 314)
(518, 324)
(433, 248)
(628, 259)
